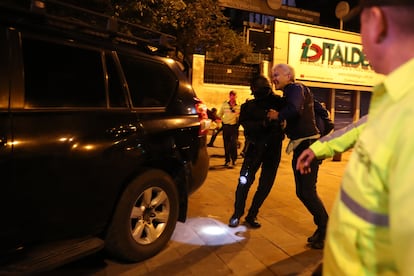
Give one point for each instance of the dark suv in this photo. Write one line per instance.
(102, 137)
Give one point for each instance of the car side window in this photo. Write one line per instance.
(58, 75)
(151, 84)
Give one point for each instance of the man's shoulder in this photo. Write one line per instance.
(296, 85)
(294, 89)
(248, 102)
(275, 96)
(277, 100)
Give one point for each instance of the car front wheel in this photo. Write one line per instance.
(145, 217)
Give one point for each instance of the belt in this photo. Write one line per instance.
(294, 143)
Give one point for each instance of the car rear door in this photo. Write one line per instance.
(71, 146)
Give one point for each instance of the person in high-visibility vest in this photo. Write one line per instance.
(371, 226)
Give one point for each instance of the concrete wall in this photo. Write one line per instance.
(213, 95)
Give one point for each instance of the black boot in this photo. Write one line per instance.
(234, 221)
(314, 236)
(317, 240)
(252, 222)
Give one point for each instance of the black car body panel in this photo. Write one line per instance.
(80, 117)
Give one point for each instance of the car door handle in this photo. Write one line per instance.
(3, 141)
(124, 130)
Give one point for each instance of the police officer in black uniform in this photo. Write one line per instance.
(263, 139)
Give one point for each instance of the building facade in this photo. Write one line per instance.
(329, 61)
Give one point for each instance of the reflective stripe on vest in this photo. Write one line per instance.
(365, 214)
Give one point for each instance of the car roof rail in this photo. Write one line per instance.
(71, 17)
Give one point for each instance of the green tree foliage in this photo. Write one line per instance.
(198, 25)
(229, 47)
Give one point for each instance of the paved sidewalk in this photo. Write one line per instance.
(205, 245)
(277, 248)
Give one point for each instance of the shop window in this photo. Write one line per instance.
(365, 100)
(344, 103)
(322, 95)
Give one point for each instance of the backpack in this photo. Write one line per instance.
(324, 124)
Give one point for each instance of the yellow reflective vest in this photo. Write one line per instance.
(371, 225)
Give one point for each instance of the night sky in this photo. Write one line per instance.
(327, 11)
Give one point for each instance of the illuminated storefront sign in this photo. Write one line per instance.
(333, 61)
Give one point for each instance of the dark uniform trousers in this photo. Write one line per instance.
(306, 187)
(230, 134)
(257, 154)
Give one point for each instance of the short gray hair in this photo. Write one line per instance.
(287, 69)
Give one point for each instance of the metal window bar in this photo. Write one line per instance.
(229, 74)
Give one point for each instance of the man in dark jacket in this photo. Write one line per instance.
(302, 131)
(263, 139)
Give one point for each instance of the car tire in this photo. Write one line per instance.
(145, 217)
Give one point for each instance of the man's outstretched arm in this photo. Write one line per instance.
(337, 142)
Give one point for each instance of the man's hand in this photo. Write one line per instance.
(304, 161)
(272, 114)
